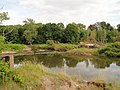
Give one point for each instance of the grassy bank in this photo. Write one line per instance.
(54, 47)
(110, 50)
(12, 47)
(32, 76)
(81, 53)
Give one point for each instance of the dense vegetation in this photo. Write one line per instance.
(7, 74)
(12, 47)
(6, 46)
(111, 50)
(37, 33)
(54, 46)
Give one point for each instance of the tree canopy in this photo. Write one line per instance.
(37, 33)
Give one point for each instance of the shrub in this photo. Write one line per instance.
(50, 42)
(7, 74)
(111, 50)
(3, 71)
(2, 39)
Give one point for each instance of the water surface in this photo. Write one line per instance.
(88, 68)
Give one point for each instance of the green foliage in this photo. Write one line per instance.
(31, 74)
(101, 35)
(2, 40)
(18, 79)
(11, 34)
(3, 16)
(64, 47)
(111, 50)
(81, 52)
(3, 71)
(51, 31)
(6, 74)
(54, 46)
(72, 33)
(50, 42)
(32, 33)
(13, 47)
(118, 27)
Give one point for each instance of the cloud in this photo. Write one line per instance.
(66, 11)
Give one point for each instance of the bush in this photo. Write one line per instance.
(50, 42)
(2, 39)
(3, 71)
(111, 50)
(6, 74)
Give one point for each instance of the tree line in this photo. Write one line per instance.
(38, 33)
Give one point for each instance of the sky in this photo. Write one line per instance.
(65, 11)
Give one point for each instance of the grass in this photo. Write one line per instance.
(82, 52)
(55, 47)
(33, 75)
(12, 47)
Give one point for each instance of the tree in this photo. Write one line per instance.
(72, 33)
(61, 26)
(118, 27)
(101, 35)
(29, 21)
(118, 36)
(51, 31)
(30, 32)
(13, 36)
(112, 36)
(106, 26)
(3, 17)
(84, 35)
(81, 26)
(92, 36)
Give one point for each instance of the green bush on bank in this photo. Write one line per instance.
(7, 74)
(12, 47)
(111, 50)
(50, 42)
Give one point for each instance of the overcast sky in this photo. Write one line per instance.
(66, 11)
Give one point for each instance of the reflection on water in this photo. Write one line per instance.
(98, 68)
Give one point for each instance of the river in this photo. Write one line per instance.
(107, 69)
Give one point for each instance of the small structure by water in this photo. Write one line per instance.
(10, 55)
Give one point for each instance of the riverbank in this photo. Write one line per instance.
(33, 76)
(108, 50)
